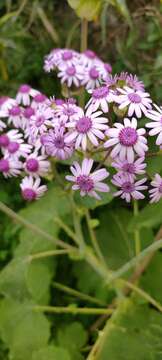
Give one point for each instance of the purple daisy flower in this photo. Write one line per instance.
(10, 167)
(138, 102)
(36, 165)
(101, 97)
(66, 111)
(133, 82)
(129, 189)
(56, 146)
(87, 126)
(52, 59)
(127, 140)
(88, 57)
(156, 191)
(156, 124)
(91, 77)
(39, 100)
(88, 183)
(72, 74)
(13, 113)
(131, 169)
(39, 122)
(24, 93)
(31, 189)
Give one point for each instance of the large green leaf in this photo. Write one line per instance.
(51, 353)
(134, 332)
(23, 330)
(72, 337)
(148, 217)
(87, 9)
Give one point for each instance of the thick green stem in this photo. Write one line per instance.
(136, 232)
(77, 226)
(67, 229)
(77, 294)
(33, 228)
(72, 310)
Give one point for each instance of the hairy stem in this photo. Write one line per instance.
(71, 310)
(77, 294)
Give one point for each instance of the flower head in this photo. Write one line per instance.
(156, 191)
(24, 93)
(91, 77)
(36, 165)
(70, 74)
(87, 126)
(100, 98)
(84, 181)
(55, 144)
(31, 189)
(156, 124)
(129, 189)
(10, 167)
(131, 169)
(127, 140)
(137, 101)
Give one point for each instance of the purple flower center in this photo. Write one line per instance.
(40, 121)
(59, 101)
(90, 54)
(134, 98)
(128, 187)
(39, 98)
(129, 168)
(71, 70)
(28, 112)
(85, 183)
(4, 140)
(108, 67)
(59, 142)
(128, 136)
(84, 124)
(15, 111)
(13, 147)
(24, 88)
(29, 194)
(69, 111)
(4, 165)
(93, 73)
(100, 92)
(67, 55)
(32, 165)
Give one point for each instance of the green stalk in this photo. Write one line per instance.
(136, 232)
(78, 294)
(72, 310)
(48, 253)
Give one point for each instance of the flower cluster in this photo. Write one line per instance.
(77, 69)
(36, 130)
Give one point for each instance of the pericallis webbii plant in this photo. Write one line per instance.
(36, 129)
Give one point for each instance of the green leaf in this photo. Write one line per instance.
(148, 217)
(91, 203)
(86, 9)
(51, 353)
(122, 8)
(72, 336)
(38, 279)
(154, 165)
(23, 330)
(151, 279)
(133, 332)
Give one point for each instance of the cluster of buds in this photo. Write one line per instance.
(36, 129)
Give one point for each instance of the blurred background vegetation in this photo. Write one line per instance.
(128, 35)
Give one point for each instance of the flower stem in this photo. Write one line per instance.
(17, 218)
(67, 229)
(77, 293)
(48, 253)
(94, 239)
(77, 226)
(72, 310)
(136, 232)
